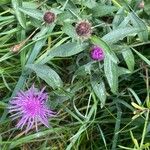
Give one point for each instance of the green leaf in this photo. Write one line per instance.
(2, 2)
(20, 16)
(12, 31)
(38, 45)
(32, 12)
(36, 23)
(141, 56)
(135, 96)
(138, 23)
(115, 139)
(69, 30)
(147, 7)
(102, 10)
(99, 89)
(134, 140)
(103, 136)
(30, 4)
(44, 30)
(30, 137)
(118, 18)
(122, 71)
(108, 52)
(3, 105)
(6, 18)
(125, 22)
(65, 17)
(129, 58)
(89, 3)
(47, 74)
(68, 5)
(118, 34)
(65, 50)
(84, 70)
(111, 73)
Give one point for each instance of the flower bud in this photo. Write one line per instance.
(83, 29)
(49, 17)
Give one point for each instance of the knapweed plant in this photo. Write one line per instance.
(74, 74)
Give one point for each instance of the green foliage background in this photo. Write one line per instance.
(100, 105)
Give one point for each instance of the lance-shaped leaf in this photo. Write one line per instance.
(20, 16)
(47, 74)
(99, 89)
(111, 73)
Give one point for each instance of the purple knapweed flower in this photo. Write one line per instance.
(30, 108)
(97, 53)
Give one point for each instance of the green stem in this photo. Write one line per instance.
(144, 130)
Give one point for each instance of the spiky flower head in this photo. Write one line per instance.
(97, 53)
(49, 17)
(83, 29)
(29, 107)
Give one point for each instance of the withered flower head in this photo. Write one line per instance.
(141, 5)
